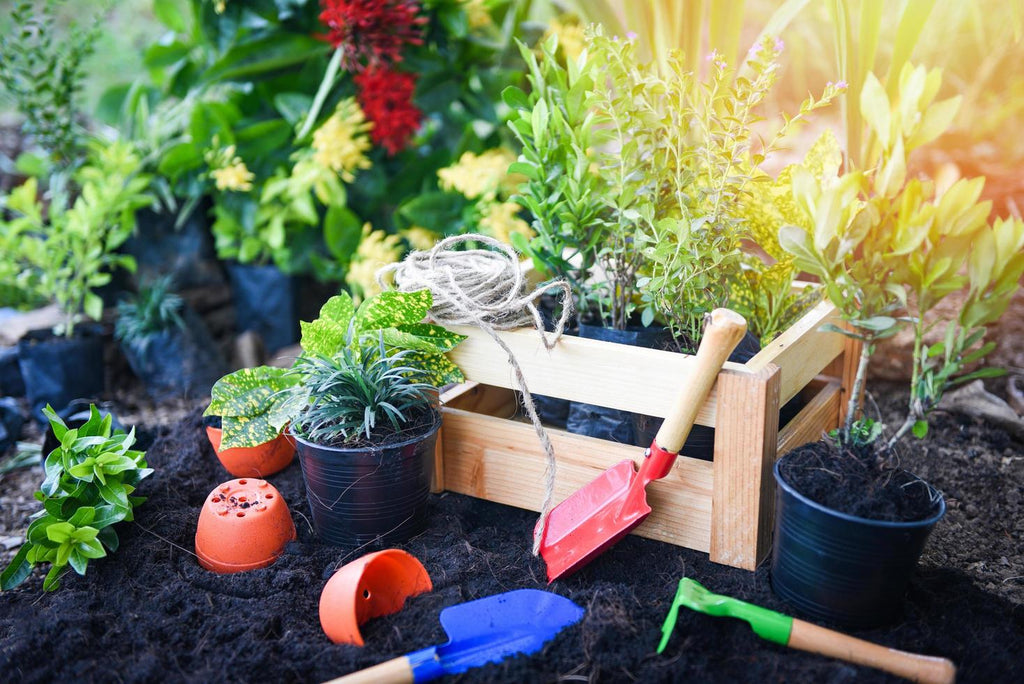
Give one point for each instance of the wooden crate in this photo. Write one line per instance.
(723, 507)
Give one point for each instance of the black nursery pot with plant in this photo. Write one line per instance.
(371, 495)
(701, 441)
(841, 568)
(608, 423)
(264, 298)
(57, 369)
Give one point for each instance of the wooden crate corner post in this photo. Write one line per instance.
(746, 439)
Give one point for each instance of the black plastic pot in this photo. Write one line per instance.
(11, 383)
(840, 568)
(177, 362)
(58, 369)
(369, 497)
(185, 253)
(608, 423)
(265, 303)
(11, 421)
(701, 441)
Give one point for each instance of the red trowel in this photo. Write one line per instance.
(607, 509)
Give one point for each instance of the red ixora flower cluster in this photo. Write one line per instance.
(372, 32)
(386, 99)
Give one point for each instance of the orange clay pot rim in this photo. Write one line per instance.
(430, 430)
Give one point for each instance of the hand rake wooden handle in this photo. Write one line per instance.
(917, 668)
(721, 336)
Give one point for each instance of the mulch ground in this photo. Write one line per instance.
(151, 613)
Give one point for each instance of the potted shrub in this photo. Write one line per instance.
(850, 524)
(65, 252)
(166, 343)
(635, 178)
(360, 403)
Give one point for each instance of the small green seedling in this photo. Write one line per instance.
(88, 488)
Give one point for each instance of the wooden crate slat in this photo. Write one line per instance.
(802, 351)
(617, 376)
(819, 415)
(501, 460)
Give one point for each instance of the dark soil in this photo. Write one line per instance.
(857, 483)
(150, 613)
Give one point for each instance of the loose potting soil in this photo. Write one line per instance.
(151, 613)
(852, 482)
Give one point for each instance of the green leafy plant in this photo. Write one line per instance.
(43, 73)
(154, 309)
(90, 478)
(888, 249)
(557, 133)
(67, 252)
(347, 396)
(256, 404)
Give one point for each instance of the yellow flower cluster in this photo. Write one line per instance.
(375, 250)
(570, 35)
(477, 14)
(421, 238)
(480, 176)
(231, 172)
(340, 144)
(501, 219)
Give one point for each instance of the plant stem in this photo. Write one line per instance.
(321, 94)
(853, 403)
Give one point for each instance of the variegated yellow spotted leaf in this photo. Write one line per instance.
(423, 337)
(437, 369)
(246, 431)
(247, 392)
(392, 308)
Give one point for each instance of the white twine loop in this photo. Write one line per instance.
(487, 288)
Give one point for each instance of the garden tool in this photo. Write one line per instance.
(479, 632)
(805, 636)
(604, 511)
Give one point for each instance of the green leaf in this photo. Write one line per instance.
(78, 562)
(920, 429)
(392, 308)
(59, 532)
(438, 370)
(52, 581)
(169, 14)
(430, 337)
(264, 56)
(247, 392)
(18, 570)
(83, 516)
(343, 231)
(247, 431)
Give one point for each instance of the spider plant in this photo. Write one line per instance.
(153, 310)
(362, 388)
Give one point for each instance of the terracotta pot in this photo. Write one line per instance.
(244, 525)
(258, 461)
(374, 585)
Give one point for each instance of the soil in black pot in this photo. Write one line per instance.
(384, 434)
(853, 482)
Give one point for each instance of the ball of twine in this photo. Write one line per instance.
(486, 288)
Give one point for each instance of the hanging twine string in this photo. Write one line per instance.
(487, 288)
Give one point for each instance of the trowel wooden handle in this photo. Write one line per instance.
(721, 336)
(394, 671)
(917, 668)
